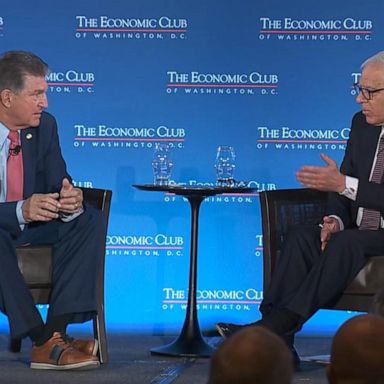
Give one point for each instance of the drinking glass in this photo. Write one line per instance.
(225, 166)
(162, 164)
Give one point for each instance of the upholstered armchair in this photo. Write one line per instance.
(35, 263)
(281, 209)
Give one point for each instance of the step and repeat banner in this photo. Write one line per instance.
(270, 78)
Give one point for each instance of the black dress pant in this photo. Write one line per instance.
(76, 259)
(306, 278)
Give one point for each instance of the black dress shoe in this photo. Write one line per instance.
(227, 329)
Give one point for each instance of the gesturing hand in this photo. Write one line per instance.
(326, 178)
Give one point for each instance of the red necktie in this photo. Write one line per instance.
(15, 173)
(371, 218)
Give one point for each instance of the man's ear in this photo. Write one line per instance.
(330, 374)
(6, 97)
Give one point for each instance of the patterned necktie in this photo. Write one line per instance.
(15, 172)
(371, 218)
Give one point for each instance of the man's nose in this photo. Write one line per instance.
(43, 102)
(360, 98)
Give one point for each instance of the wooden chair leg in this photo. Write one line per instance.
(15, 345)
(101, 335)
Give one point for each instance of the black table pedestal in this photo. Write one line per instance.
(190, 341)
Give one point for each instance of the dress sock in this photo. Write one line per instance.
(281, 321)
(54, 324)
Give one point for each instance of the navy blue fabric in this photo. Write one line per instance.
(76, 244)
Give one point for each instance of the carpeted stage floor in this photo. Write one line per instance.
(132, 363)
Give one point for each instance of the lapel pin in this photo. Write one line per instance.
(28, 136)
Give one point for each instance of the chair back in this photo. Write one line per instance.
(35, 262)
(280, 210)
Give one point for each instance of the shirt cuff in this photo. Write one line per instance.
(19, 212)
(351, 186)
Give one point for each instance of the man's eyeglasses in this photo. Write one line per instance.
(367, 93)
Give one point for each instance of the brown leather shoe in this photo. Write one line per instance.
(59, 355)
(89, 347)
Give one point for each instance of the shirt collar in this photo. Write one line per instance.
(3, 134)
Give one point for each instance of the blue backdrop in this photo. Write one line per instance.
(271, 78)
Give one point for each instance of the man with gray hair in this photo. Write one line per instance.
(255, 355)
(357, 353)
(319, 261)
(40, 205)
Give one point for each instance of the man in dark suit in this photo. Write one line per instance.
(39, 205)
(318, 263)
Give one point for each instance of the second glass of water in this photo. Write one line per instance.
(162, 164)
(225, 166)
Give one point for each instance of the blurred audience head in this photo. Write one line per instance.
(357, 354)
(253, 355)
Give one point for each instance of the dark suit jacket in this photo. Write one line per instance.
(44, 167)
(357, 162)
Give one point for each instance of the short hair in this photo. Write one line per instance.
(15, 65)
(254, 355)
(378, 58)
(357, 353)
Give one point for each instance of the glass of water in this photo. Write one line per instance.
(162, 164)
(225, 166)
